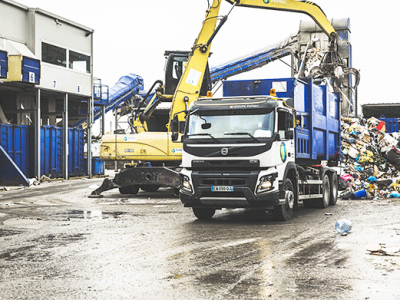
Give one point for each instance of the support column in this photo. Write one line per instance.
(37, 135)
(103, 120)
(115, 132)
(292, 62)
(89, 138)
(65, 138)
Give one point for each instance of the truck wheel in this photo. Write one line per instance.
(203, 213)
(284, 212)
(150, 188)
(324, 202)
(131, 189)
(334, 188)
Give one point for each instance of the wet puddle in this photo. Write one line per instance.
(8, 232)
(91, 214)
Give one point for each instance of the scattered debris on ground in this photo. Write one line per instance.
(381, 249)
(371, 160)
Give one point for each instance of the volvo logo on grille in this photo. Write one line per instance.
(224, 151)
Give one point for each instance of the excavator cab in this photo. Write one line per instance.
(174, 66)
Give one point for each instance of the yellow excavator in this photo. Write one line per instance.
(157, 155)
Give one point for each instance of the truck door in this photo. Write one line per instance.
(285, 124)
(285, 130)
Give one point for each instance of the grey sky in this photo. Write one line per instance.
(131, 36)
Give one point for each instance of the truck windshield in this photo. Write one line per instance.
(231, 124)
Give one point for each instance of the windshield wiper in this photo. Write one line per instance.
(242, 133)
(206, 134)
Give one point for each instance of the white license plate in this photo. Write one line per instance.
(222, 188)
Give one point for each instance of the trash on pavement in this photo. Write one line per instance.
(379, 249)
(343, 226)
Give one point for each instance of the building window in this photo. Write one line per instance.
(79, 62)
(54, 55)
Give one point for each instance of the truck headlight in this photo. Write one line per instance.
(185, 184)
(266, 183)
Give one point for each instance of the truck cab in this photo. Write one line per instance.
(235, 151)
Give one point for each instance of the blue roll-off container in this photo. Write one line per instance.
(18, 142)
(392, 124)
(3, 64)
(97, 166)
(317, 135)
(52, 156)
(15, 141)
(76, 164)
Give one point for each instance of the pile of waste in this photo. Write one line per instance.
(370, 159)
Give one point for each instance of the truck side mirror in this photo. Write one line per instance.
(288, 135)
(174, 136)
(174, 124)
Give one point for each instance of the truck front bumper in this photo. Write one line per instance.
(242, 196)
(265, 200)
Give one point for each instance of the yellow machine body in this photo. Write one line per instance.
(143, 146)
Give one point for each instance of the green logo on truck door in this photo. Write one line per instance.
(283, 152)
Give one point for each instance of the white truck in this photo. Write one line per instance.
(257, 149)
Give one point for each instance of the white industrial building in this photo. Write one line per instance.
(49, 77)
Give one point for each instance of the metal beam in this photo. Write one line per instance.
(103, 120)
(37, 135)
(65, 138)
(89, 138)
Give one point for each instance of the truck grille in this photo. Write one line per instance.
(222, 194)
(223, 181)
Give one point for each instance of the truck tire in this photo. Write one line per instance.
(131, 189)
(150, 188)
(203, 213)
(284, 212)
(324, 201)
(334, 188)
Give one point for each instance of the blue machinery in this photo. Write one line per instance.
(131, 85)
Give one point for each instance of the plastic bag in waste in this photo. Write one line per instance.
(348, 195)
(394, 195)
(394, 158)
(343, 226)
(342, 185)
(360, 194)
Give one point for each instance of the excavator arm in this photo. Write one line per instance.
(188, 88)
(306, 7)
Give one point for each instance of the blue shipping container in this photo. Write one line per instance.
(317, 114)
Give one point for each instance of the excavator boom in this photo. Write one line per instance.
(306, 7)
(188, 89)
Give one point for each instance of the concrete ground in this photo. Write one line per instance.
(55, 243)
